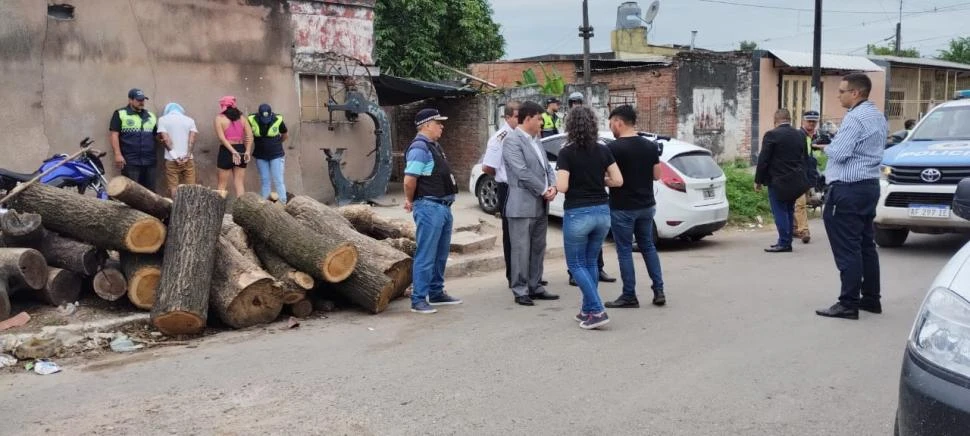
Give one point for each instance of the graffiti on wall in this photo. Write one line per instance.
(708, 110)
(322, 27)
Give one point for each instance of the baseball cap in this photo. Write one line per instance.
(265, 113)
(551, 100)
(425, 115)
(136, 94)
(810, 116)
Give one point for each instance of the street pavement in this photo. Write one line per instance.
(738, 350)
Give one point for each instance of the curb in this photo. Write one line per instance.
(488, 262)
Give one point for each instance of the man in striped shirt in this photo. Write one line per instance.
(852, 173)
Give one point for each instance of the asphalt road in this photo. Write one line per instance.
(737, 351)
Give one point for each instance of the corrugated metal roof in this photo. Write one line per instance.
(829, 61)
(923, 62)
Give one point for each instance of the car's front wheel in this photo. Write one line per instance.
(890, 238)
(487, 193)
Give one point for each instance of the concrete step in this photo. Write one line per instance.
(465, 242)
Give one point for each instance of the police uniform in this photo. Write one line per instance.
(136, 137)
(801, 229)
(493, 158)
(551, 123)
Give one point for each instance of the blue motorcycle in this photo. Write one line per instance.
(82, 173)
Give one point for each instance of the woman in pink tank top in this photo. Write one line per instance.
(236, 145)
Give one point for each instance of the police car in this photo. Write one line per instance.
(920, 175)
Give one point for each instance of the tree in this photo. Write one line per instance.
(410, 35)
(749, 45)
(959, 51)
(890, 50)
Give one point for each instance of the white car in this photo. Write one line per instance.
(691, 194)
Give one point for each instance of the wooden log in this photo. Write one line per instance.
(300, 309)
(320, 217)
(322, 255)
(106, 224)
(238, 238)
(366, 221)
(405, 245)
(23, 267)
(143, 271)
(139, 197)
(242, 294)
(109, 282)
(293, 284)
(62, 286)
(21, 229)
(4, 300)
(182, 301)
(72, 255)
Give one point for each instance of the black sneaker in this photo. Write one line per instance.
(422, 307)
(581, 316)
(595, 320)
(624, 302)
(443, 299)
(659, 299)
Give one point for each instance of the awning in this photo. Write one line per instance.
(796, 59)
(395, 91)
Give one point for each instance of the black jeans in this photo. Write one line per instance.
(503, 196)
(142, 174)
(849, 211)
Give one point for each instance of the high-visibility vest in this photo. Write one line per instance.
(131, 123)
(136, 138)
(551, 124)
(274, 129)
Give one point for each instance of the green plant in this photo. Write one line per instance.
(554, 84)
(746, 204)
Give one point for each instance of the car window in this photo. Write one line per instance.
(552, 147)
(949, 123)
(696, 165)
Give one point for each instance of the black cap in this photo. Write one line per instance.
(810, 116)
(426, 115)
(551, 100)
(136, 94)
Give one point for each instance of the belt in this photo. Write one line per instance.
(860, 182)
(446, 203)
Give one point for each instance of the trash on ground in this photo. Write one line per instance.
(37, 348)
(46, 367)
(124, 344)
(292, 323)
(15, 321)
(67, 309)
(7, 360)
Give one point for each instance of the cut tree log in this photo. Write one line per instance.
(323, 255)
(320, 217)
(237, 236)
(62, 286)
(21, 229)
(291, 287)
(293, 284)
(23, 267)
(106, 224)
(4, 300)
(109, 282)
(72, 255)
(143, 272)
(366, 221)
(182, 301)
(242, 294)
(300, 309)
(405, 245)
(139, 197)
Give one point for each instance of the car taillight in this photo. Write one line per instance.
(670, 178)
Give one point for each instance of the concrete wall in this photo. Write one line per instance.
(62, 79)
(714, 110)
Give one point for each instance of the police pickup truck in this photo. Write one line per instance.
(920, 176)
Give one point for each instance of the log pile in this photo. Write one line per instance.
(190, 258)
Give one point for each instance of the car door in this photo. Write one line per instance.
(552, 145)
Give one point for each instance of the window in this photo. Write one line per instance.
(696, 165)
(620, 97)
(315, 91)
(894, 107)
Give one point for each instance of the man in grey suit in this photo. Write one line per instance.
(532, 185)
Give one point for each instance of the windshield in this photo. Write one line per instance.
(696, 165)
(943, 124)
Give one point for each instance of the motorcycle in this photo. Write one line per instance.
(82, 173)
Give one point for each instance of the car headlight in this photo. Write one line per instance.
(942, 331)
(885, 171)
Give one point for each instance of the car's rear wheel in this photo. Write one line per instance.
(890, 238)
(487, 193)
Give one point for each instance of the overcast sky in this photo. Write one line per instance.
(539, 27)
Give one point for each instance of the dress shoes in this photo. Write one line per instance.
(778, 249)
(524, 301)
(838, 311)
(604, 277)
(544, 295)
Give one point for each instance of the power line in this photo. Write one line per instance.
(788, 8)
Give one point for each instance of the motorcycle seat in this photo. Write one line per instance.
(20, 177)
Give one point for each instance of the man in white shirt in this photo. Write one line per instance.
(177, 132)
(493, 165)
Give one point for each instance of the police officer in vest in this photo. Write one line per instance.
(429, 192)
(551, 121)
(269, 133)
(133, 129)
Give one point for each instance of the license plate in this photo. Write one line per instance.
(708, 193)
(929, 211)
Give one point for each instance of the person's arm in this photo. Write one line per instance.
(166, 140)
(114, 138)
(515, 167)
(284, 131)
(249, 141)
(614, 178)
(551, 181)
(562, 181)
(410, 185)
(192, 136)
(493, 156)
(418, 163)
(764, 160)
(657, 171)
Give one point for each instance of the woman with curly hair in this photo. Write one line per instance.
(584, 169)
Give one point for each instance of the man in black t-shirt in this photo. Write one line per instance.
(633, 206)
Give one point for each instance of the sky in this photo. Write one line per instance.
(538, 27)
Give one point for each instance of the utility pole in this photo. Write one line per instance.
(899, 27)
(817, 59)
(586, 32)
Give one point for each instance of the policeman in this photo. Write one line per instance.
(551, 121)
(132, 130)
(810, 129)
(575, 99)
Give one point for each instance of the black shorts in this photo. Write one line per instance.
(224, 161)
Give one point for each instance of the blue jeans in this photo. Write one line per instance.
(626, 224)
(433, 221)
(784, 213)
(272, 171)
(584, 229)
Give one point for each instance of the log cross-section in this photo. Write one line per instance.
(139, 197)
(182, 301)
(242, 294)
(143, 272)
(23, 267)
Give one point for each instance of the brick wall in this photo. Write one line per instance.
(463, 140)
(505, 74)
(656, 95)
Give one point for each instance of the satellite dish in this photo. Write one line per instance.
(651, 13)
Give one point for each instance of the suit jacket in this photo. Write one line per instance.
(529, 175)
(782, 152)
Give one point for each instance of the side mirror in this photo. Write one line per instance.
(961, 200)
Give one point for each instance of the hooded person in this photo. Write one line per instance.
(177, 132)
(269, 133)
(236, 145)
